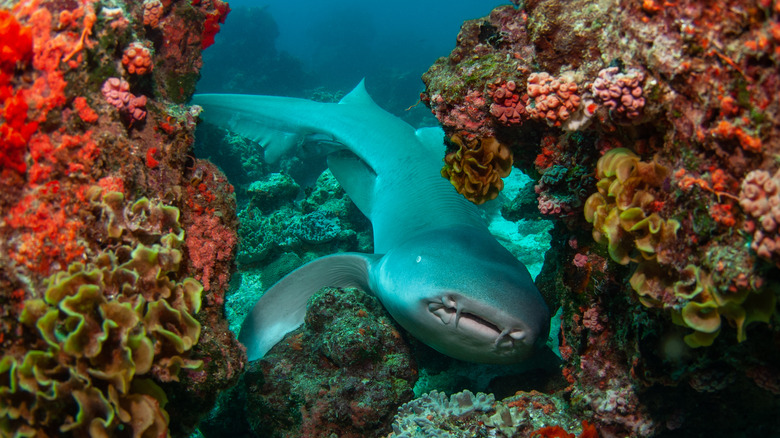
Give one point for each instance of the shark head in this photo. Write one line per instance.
(464, 295)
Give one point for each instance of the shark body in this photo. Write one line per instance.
(436, 268)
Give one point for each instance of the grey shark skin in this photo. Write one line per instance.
(436, 268)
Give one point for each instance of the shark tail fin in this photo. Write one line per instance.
(283, 307)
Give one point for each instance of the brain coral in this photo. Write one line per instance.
(102, 332)
(477, 167)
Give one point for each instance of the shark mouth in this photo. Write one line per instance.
(450, 311)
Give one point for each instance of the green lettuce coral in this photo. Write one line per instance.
(623, 217)
(102, 334)
(621, 210)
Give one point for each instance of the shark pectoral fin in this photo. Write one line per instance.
(283, 307)
(356, 177)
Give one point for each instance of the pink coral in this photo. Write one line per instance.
(550, 205)
(620, 92)
(593, 319)
(554, 99)
(508, 107)
(466, 118)
(760, 198)
(153, 10)
(137, 59)
(580, 260)
(117, 92)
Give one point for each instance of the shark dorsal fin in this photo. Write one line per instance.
(358, 96)
(356, 177)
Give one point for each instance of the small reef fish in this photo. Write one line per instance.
(436, 268)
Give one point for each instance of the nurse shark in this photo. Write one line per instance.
(436, 268)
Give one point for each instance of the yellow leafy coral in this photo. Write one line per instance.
(622, 216)
(101, 332)
(619, 210)
(477, 167)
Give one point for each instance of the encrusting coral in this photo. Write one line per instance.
(477, 167)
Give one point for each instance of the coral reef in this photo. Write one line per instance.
(103, 327)
(671, 156)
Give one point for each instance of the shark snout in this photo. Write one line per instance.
(493, 328)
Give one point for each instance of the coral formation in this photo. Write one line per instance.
(760, 198)
(111, 322)
(465, 414)
(344, 372)
(677, 125)
(476, 168)
(551, 99)
(102, 326)
(621, 93)
(622, 210)
(137, 59)
(427, 413)
(116, 91)
(272, 191)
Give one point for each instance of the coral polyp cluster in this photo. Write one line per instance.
(137, 59)
(552, 99)
(476, 168)
(621, 93)
(117, 92)
(508, 106)
(760, 198)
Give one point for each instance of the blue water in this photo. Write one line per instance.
(331, 45)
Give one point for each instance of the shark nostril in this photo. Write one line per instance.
(443, 313)
(449, 302)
